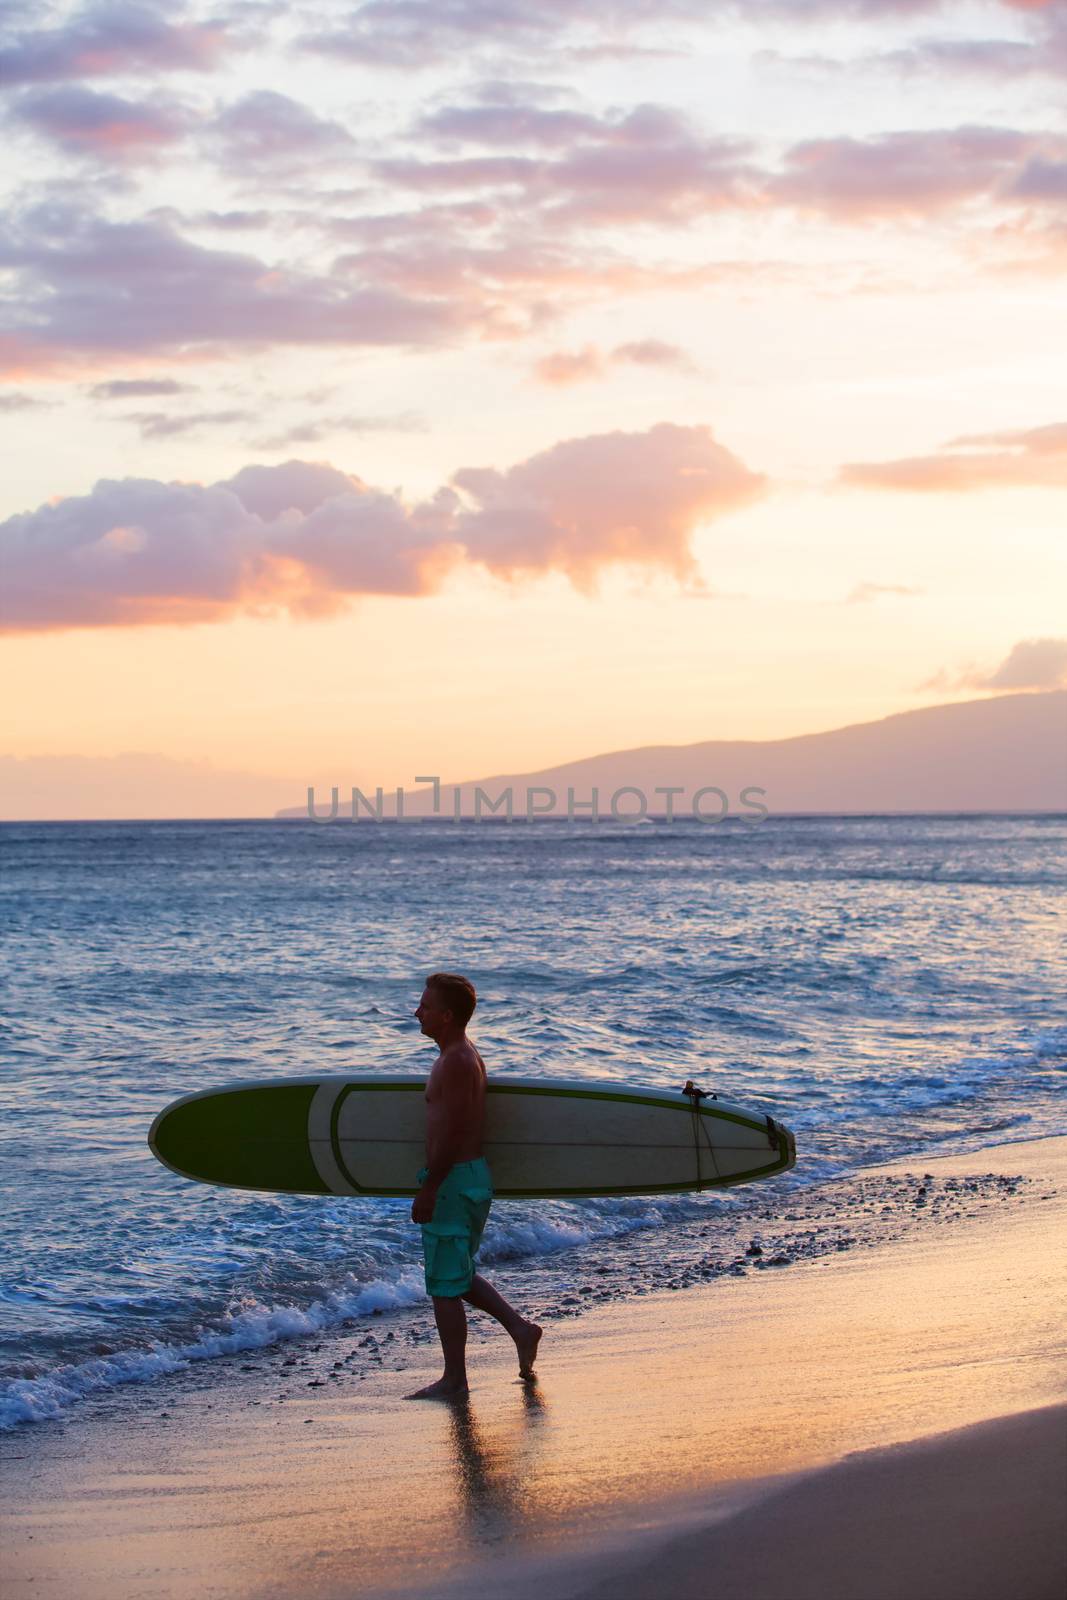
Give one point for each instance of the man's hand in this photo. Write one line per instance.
(423, 1204)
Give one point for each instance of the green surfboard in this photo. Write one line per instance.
(543, 1138)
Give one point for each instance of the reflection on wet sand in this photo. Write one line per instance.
(493, 1473)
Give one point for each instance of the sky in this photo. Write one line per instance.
(465, 386)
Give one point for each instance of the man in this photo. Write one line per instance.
(456, 1187)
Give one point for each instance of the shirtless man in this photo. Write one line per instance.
(456, 1187)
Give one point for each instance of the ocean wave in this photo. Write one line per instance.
(513, 1236)
(254, 1327)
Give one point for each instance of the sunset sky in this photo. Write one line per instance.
(466, 386)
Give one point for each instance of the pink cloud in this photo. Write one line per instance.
(86, 122)
(649, 164)
(268, 131)
(355, 425)
(873, 10)
(416, 33)
(89, 291)
(136, 388)
(1014, 458)
(1041, 180)
(1032, 664)
(530, 278)
(168, 424)
(111, 39)
(1043, 53)
(409, 34)
(510, 249)
(307, 539)
(614, 497)
(507, 239)
(863, 593)
(302, 486)
(92, 289)
(653, 353)
(908, 173)
(235, 221)
(297, 538)
(509, 123)
(1039, 664)
(1049, 440)
(1028, 246)
(15, 401)
(646, 164)
(564, 367)
(462, 173)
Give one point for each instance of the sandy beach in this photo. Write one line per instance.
(863, 1425)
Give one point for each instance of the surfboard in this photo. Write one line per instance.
(544, 1138)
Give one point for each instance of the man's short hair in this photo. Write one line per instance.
(457, 994)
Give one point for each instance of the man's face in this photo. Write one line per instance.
(431, 1014)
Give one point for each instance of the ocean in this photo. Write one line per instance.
(887, 986)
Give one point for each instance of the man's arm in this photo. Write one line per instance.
(451, 1114)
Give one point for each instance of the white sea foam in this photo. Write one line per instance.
(515, 1237)
(254, 1327)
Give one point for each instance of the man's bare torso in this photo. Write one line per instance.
(465, 1067)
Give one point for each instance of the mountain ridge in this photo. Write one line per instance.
(1008, 753)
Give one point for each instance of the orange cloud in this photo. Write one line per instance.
(863, 593)
(613, 497)
(566, 367)
(1017, 458)
(307, 539)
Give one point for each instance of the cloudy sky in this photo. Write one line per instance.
(463, 386)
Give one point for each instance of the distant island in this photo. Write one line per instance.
(1003, 754)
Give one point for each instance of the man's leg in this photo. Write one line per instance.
(451, 1322)
(527, 1335)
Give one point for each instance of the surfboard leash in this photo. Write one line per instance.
(777, 1134)
(695, 1096)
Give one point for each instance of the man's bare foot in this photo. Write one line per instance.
(526, 1343)
(443, 1389)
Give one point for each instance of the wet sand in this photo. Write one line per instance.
(655, 1424)
(978, 1514)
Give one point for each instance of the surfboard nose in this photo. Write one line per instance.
(245, 1138)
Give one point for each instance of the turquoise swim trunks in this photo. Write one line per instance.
(450, 1240)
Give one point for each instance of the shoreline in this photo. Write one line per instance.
(648, 1414)
(762, 1226)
